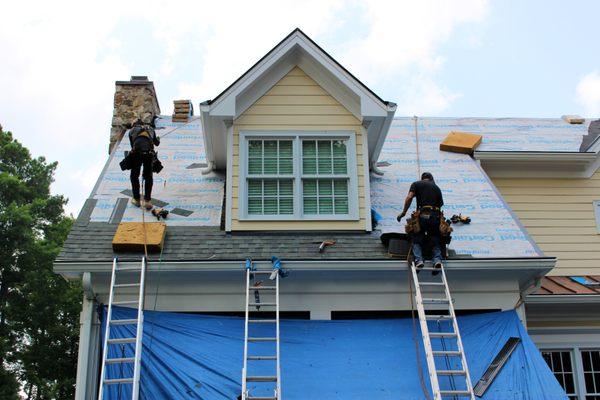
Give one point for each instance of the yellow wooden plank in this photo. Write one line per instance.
(296, 100)
(551, 215)
(576, 268)
(460, 142)
(296, 91)
(558, 223)
(550, 199)
(561, 231)
(313, 109)
(552, 191)
(132, 236)
(296, 80)
(545, 183)
(517, 207)
(559, 239)
(570, 247)
(288, 120)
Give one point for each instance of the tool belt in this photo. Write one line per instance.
(413, 225)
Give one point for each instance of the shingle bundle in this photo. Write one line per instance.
(183, 110)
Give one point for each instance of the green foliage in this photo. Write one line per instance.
(38, 309)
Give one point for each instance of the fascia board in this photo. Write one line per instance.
(207, 132)
(537, 266)
(562, 298)
(381, 136)
(535, 157)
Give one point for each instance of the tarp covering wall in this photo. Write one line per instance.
(200, 357)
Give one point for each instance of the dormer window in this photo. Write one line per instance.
(298, 175)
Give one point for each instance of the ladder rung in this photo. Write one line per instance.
(261, 378)
(120, 285)
(262, 358)
(447, 353)
(120, 303)
(434, 301)
(451, 372)
(442, 334)
(431, 283)
(455, 393)
(129, 269)
(262, 304)
(262, 272)
(122, 340)
(263, 288)
(260, 398)
(116, 381)
(434, 317)
(123, 321)
(262, 321)
(428, 269)
(262, 339)
(120, 360)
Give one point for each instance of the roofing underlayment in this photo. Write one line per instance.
(196, 200)
(200, 357)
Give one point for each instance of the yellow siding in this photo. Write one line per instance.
(298, 103)
(559, 215)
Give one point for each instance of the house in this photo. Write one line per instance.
(298, 151)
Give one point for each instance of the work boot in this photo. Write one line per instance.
(135, 202)
(437, 267)
(148, 204)
(419, 265)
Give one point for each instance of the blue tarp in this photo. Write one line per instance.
(188, 356)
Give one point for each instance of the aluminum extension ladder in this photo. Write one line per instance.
(457, 351)
(271, 290)
(126, 343)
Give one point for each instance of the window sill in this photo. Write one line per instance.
(292, 218)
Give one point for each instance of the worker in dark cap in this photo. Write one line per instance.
(427, 218)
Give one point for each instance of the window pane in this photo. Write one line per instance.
(286, 166)
(325, 205)
(270, 187)
(341, 206)
(339, 148)
(310, 187)
(270, 205)
(591, 369)
(341, 188)
(255, 148)
(255, 166)
(286, 187)
(270, 166)
(270, 148)
(310, 205)
(324, 161)
(286, 206)
(309, 166)
(285, 148)
(309, 148)
(324, 166)
(340, 166)
(255, 206)
(561, 365)
(325, 187)
(255, 187)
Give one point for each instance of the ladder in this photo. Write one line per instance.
(271, 291)
(454, 358)
(131, 347)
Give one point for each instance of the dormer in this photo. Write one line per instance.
(297, 135)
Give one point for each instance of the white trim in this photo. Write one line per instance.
(229, 181)
(297, 176)
(367, 180)
(596, 205)
(562, 298)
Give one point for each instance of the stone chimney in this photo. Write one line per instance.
(134, 99)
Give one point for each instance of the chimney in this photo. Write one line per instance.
(134, 99)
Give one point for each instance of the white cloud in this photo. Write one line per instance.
(588, 94)
(60, 60)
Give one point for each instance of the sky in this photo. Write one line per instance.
(462, 58)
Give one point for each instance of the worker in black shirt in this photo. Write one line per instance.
(429, 204)
(142, 138)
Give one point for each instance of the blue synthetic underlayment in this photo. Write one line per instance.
(200, 357)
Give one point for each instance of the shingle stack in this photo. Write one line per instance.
(183, 110)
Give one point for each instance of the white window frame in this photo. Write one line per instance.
(574, 366)
(576, 359)
(297, 137)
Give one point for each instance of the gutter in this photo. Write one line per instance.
(563, 299)
(536, 156)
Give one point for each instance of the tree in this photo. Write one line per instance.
(38, 309)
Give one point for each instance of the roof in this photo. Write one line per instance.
(566, 285)
(297, 31)
(195, 200)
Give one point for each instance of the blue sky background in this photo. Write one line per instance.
(433, 57)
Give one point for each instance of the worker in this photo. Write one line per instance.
(429, 204)
(142, 138)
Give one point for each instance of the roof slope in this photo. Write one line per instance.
(494, 233)
(565, 285)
